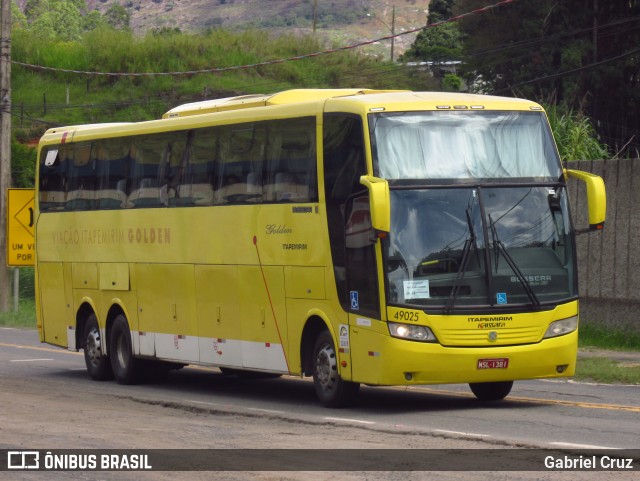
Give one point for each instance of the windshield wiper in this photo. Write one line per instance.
(501, 249)
(470, 242)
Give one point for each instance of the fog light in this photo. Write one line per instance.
(408, 376)
(562, 368)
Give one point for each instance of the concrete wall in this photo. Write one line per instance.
(609, 261)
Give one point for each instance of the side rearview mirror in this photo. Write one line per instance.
(380, 202)
(596, 197)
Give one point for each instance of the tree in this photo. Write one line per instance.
(436, 44)
(93, 20)
(452, 82)
(61, 20)
(81, 5)
(35, 8)
(439, 44)
(118, 17)
(439, 10)
(23, 164)
(18, 19)
(545, 49)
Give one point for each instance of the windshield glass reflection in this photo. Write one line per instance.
(458, 247)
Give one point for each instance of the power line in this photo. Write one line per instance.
(377, 71)
(477, 11)
(551, 38)
(569, 72)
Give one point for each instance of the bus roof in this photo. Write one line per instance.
(366, 98)
(354, 100)
(263, 100)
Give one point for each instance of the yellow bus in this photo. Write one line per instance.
(352, 235)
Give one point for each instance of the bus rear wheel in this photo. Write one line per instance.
(126, 368)
(332, 390)
(98, 365)
(491, 391)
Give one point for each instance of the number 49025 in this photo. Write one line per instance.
(409, 316)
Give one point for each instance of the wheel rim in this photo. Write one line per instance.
(94, 347)
(326, 367)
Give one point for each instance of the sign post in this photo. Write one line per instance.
(20, 229)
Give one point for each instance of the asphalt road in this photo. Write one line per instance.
(47, 401)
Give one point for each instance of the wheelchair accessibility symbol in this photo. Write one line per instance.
(501, 298)
(355, 304)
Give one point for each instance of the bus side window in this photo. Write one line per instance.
(112, 167)
(146, 155)
(242, 164)
(175, 154)
(291, 171)
(54, 161)
(194, 180)
(81, 185)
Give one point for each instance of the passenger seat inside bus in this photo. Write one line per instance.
(287, 188)
(234, 191)
(147, 194)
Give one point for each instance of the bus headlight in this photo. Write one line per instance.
(562, 327)
(411, 332)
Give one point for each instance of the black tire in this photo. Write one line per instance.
(491, 391)
(332, 390)
(126, 368)
(98, 364)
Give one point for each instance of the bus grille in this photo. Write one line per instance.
(480, 337)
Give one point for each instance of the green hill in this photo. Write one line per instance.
(66, 94)
(72, 35)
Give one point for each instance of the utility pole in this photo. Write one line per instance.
(595, 31)
(5, 145)
(393, 30)
(315, 16)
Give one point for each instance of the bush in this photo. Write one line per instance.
(575, 136)
(27, 283)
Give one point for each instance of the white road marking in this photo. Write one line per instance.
(580, 446)
(206, 403)
(270, 411)
(349, 420)
(28, 360)
(462, 433)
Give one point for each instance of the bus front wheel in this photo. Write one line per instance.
(126, 368)
(98, 365)
(491, 391)
(331, 389)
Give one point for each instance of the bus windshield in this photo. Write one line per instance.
(479, 213)
(463, 145)
(445, 251)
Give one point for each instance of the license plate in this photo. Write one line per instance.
(499, 363)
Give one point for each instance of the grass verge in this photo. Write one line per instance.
(596, 335)
(24, 317)
(608, 371)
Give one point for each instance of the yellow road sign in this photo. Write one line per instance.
(20, 239)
